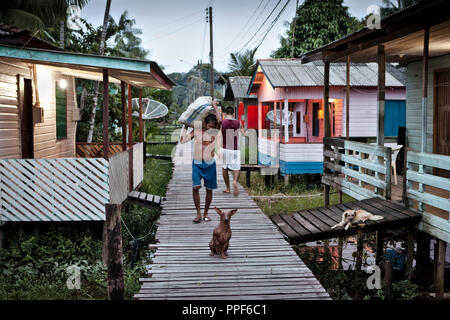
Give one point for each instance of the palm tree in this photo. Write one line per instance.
(38, 16)
(242, 64)
(97, 83)
(388, 6)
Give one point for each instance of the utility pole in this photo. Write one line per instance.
(211, 60)
(199, 70)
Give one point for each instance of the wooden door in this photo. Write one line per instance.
(442, 117)
(26, 118)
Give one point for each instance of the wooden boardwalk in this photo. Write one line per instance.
(315, 224)
(261, 263)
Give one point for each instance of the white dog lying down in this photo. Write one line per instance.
(350, 217)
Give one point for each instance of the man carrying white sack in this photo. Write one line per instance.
(203, 162)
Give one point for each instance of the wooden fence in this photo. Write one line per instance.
(428, 193)
(95, 149)
(358, 169)
(71, 189)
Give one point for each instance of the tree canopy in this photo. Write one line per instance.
(318, 22)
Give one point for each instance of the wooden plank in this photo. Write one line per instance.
(310, 222)
(287, 230)
(294, 224)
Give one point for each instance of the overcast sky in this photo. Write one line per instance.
(176, 34)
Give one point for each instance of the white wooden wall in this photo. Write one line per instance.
(414, 101)
(45, 143)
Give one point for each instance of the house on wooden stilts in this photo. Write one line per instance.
(294, 90)
(44, 174)
(416, 38)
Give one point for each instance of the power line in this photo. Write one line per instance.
(192, 14)
(244, 28)
(260, 26)
(273, 23)
(175, 31)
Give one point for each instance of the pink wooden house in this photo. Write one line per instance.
(285, 86)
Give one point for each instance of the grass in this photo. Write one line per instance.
(311, 197)
(161, 149)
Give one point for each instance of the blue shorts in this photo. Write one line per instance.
(206, 171)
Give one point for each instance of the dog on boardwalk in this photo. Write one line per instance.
(222, 233)
(350, 217)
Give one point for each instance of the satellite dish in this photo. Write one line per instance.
(152, 109)
(270, 117)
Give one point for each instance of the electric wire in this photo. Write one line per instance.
(176, 30)
(276, 6)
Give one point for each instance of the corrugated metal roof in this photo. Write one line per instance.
(292, 73)
(239, 85)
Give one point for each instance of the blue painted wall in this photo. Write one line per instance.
(394, 116)
(291, 167)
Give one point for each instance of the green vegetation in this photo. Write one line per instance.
(34, 261)
(306, 198)
(318, 23)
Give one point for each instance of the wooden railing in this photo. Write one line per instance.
(427, 192)
(95, 149)
(358, 169)
(66, 189)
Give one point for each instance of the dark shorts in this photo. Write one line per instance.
(207, 172)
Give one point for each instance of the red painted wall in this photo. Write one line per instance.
(252, 115)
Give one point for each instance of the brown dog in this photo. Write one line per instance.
(222, 234)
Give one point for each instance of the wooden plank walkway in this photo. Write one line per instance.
(261, 264)
(145, 199)
(315, 224)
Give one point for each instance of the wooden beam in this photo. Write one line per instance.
(388, 279)
(409, 253)
(440, 268)
(426, 39)
(381, 94)
(347, 101)
(327, 131)
(124, 115)
(130, 118)
(114, 247)
(379, 253)
(141, 137)
(105, 114)
(286, 126)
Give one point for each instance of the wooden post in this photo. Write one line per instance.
(275, 103)
(347, 101)
(439, 284)
(124, 115)
(105, 114)
(211, 52)
(405, 175)
(130, 140)
(381, 59)
(426, 39)
(327, 131)
(141, 136)
(286, 179)
(114, 240)
(286, 126)
(387, 279)
(379, 247)
(259, 119)
(2, 235)
(247, 178)
(423, 252)
(381, 94)
(359, 253)
(130, 118)
(409, 253)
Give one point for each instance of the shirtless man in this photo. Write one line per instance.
(203, 162)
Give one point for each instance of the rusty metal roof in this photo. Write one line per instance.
(239, 85)
(292, 73)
